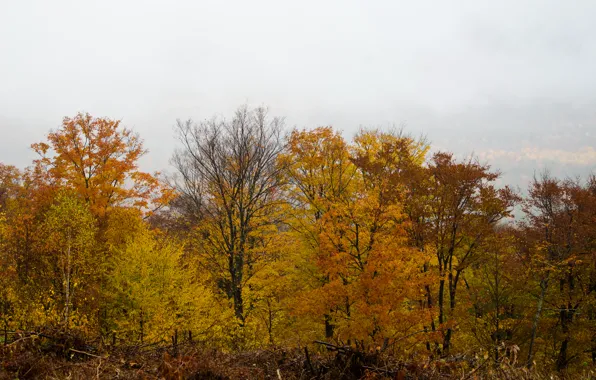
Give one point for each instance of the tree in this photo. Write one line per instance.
(98, 160)
(365, 237)
(10, 182)
(156, 293)
(559, 238)
(347, 207)
(497, 304)
(8, 277)
(230, 177)
(69, 235)
(24, 200)
(319, 172)
(453, 209)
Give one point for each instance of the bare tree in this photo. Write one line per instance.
(229, 179)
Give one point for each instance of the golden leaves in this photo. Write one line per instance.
(348, 203)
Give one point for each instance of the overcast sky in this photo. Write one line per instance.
(512, 81)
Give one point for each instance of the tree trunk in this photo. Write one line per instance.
(447, 342)
(238, 303)
(67, 274)
(562, 357)
(566, 317)
(441, 302)
(236, 263)
(329, 327)
(543, 286)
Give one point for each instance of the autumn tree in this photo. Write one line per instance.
(369, 241)
(10, 181)
(22, 209)
(8, 292)
(454, 209)
(347, 206)
(558, 240)
(98, 159)
(319, 171)
(69, 231)
(495, 324)
(229, 176)
(18, 213)
(156, 293)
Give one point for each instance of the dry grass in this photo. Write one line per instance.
(33, 357)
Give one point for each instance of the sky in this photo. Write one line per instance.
(512, 82)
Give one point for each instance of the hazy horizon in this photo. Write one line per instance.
(510, 82)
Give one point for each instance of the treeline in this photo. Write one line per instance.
(268, 237)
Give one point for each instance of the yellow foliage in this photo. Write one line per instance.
(156, 293)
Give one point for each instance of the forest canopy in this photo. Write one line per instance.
(265, 236)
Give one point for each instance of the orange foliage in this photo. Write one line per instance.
(98, 159)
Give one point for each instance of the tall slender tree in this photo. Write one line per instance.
(453, 212)
(229, 175)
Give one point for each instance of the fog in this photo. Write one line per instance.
(512, 82)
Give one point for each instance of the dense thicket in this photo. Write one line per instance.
(265, 237)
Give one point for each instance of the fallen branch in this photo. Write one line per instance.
(86, 353)
(332, 347)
